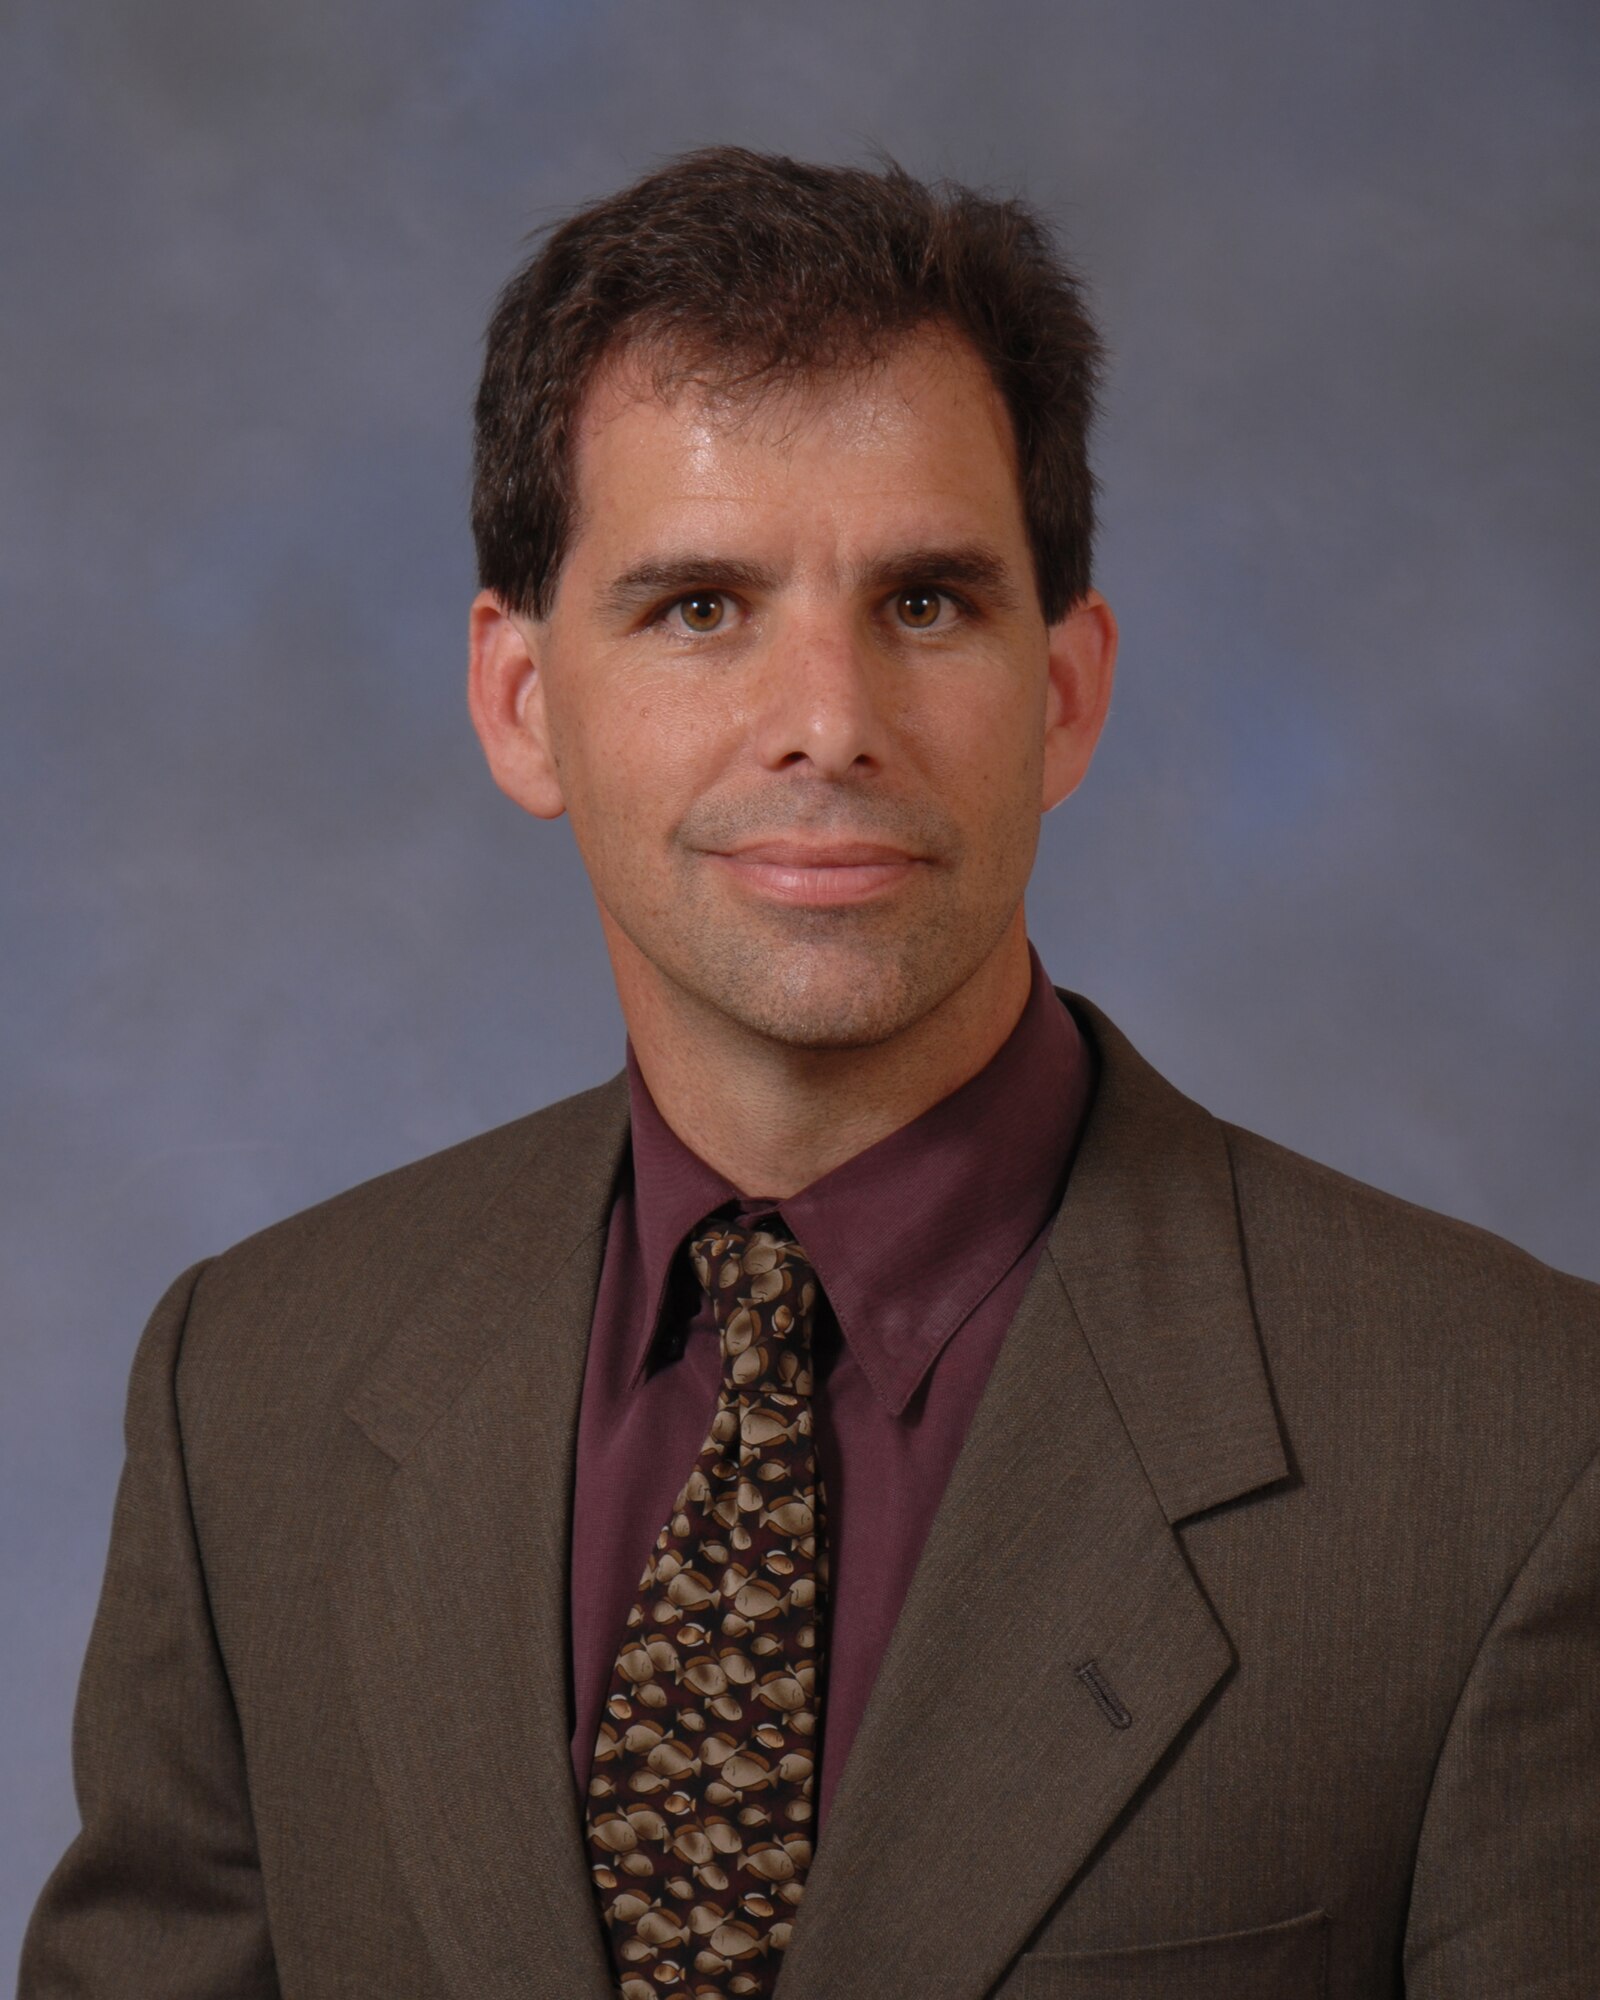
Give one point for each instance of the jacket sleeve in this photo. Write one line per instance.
(161, 1892)
(1506, 1891)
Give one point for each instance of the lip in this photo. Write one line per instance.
(818, 873)
(818, 853)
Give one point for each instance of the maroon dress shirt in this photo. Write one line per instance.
(923, 1244)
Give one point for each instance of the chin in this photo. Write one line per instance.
(806, 1005)
(842, 1027)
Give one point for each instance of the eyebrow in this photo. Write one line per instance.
(970, 565)
(676, 575)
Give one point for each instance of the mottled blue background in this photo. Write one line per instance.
(268, 929)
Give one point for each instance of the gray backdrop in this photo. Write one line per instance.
(269, 929)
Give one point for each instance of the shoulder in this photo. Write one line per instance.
(415, 1211)
(1328, 1220)
(1375, 1311)
(332, 1279)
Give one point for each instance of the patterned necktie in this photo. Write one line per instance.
(700, 1806)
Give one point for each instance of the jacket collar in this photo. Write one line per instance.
(1150, 1252)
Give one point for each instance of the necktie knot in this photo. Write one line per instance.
(763, 1291)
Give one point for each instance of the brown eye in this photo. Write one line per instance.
(703, 611)
(919, 608)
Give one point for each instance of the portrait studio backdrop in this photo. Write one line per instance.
(268, 928)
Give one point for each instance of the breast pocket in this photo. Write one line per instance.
(1287, 1961)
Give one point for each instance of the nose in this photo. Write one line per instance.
(821, 699)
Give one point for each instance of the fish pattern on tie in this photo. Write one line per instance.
(700, 1808)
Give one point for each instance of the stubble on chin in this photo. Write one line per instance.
(823, 980)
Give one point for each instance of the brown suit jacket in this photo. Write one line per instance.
(1255, 1649)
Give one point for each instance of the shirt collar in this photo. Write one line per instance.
(910, 1236)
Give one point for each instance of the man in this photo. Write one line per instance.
(885, 1497)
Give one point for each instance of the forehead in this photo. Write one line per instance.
(921, 428)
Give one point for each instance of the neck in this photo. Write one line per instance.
(772, 1118)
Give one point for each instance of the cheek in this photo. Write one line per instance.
(984, 750)
(632, 766)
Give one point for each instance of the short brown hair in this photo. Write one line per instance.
(762, 269)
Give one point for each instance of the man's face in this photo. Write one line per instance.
(797, 694)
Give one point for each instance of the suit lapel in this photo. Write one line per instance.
(1054, 1642)
(455, 1594)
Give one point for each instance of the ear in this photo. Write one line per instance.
(1083, 656)
(506, 696)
